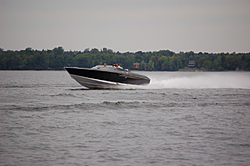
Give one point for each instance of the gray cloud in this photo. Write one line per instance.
(126, 25)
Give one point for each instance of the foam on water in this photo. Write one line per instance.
(190, 80)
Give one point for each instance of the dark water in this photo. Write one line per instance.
(181, 118)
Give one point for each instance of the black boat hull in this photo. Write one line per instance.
(94, 78)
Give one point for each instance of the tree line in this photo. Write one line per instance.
(163, 60)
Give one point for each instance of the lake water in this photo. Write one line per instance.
(180, 118)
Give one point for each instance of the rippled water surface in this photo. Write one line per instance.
(181, 118)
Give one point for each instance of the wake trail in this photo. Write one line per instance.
(199, 81)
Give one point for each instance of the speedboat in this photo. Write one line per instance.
(106, 76)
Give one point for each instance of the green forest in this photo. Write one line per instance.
(163, 60)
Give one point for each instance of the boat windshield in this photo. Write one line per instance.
(100, 66)
(107, 66)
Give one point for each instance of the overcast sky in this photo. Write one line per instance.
(126, 25)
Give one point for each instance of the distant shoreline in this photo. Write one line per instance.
(162, 60)
(147, 70)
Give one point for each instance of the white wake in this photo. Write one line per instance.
(196, 80)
